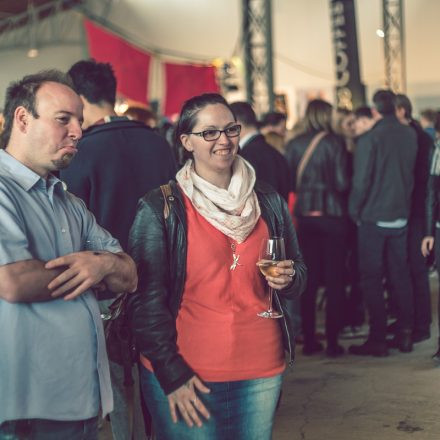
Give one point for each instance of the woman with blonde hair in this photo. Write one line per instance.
(318, 160)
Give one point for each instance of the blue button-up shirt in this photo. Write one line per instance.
(53, 361)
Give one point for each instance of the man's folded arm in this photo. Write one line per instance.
(26, 281)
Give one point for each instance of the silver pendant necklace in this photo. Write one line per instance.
(235, 257)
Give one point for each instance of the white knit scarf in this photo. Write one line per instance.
(234, 211)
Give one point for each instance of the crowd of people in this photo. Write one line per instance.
(96, 205)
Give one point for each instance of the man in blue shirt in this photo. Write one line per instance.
(54, 374)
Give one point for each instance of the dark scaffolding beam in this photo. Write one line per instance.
(257, 41)
(350, 92)
(394, 45)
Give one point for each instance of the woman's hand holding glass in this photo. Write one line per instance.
(285, 273)
(186, 401)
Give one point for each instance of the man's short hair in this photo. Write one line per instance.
(363, 112)
(272, 118)
(430, 115)
(385, 102)
(402, 101)
(244, 113)
(95, 81)
(23, 93)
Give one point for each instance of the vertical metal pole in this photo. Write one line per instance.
(257, 43)
(269, 54)
(394, 45)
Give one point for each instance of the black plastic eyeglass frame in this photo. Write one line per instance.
(219, 132)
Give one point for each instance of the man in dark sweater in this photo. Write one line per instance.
(417, 222)
(380, 203)
(270, 165)
(118, 161)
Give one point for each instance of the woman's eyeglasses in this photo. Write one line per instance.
(213, 135)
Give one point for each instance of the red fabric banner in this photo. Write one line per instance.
(131, 65)
(184, 81)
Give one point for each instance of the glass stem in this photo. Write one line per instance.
(270, 299)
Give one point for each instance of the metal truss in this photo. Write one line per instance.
(257, 41)
(46, 25)
(394, 45)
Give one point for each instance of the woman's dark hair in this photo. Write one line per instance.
(318, 116)
(188, 115)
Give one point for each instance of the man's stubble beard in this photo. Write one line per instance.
(64, 162)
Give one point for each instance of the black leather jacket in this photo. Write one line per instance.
(325, 182)
(159, 248)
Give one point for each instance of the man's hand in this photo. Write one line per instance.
(427, 245)
(84, 270)
(186, 401)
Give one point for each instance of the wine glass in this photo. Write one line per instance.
(272, 251)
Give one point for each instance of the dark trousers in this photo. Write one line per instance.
(354, 312)
(419, 276)
(39, 429)
(437, 263)
(323, 244)
(374, 244)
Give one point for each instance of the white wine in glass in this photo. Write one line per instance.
(272, 251)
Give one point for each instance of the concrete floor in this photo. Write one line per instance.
(355, 398)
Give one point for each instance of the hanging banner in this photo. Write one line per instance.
(184, 81)
(350, 92)
(131, 64)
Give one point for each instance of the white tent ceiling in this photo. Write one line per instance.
(207, 29)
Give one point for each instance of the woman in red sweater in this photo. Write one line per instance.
(207, 359)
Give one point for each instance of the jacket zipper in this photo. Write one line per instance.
(289, 342)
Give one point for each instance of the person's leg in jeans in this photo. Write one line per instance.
(240, 410)
(334, 251)
(399, 274)
(420, 281)
(371, 242)
(310, 242)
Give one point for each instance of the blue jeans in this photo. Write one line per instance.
(39, 429)
(240, 410)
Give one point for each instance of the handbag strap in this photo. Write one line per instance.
(166, 193)
(306, 156)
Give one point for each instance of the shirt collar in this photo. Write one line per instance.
(24, 176)
(245, 139)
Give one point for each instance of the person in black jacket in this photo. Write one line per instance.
(270, 165)
(321, 210)
(118, 160)
(417, 223)
(431, 242)
(207, 357)
(380, 203)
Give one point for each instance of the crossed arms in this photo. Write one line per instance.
(70, 275)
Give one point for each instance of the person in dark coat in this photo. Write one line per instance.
(270, 165)
(417, 222)
(118, 161)
(321, 210)
(380, 204)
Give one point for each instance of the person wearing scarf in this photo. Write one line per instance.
(211, 368)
